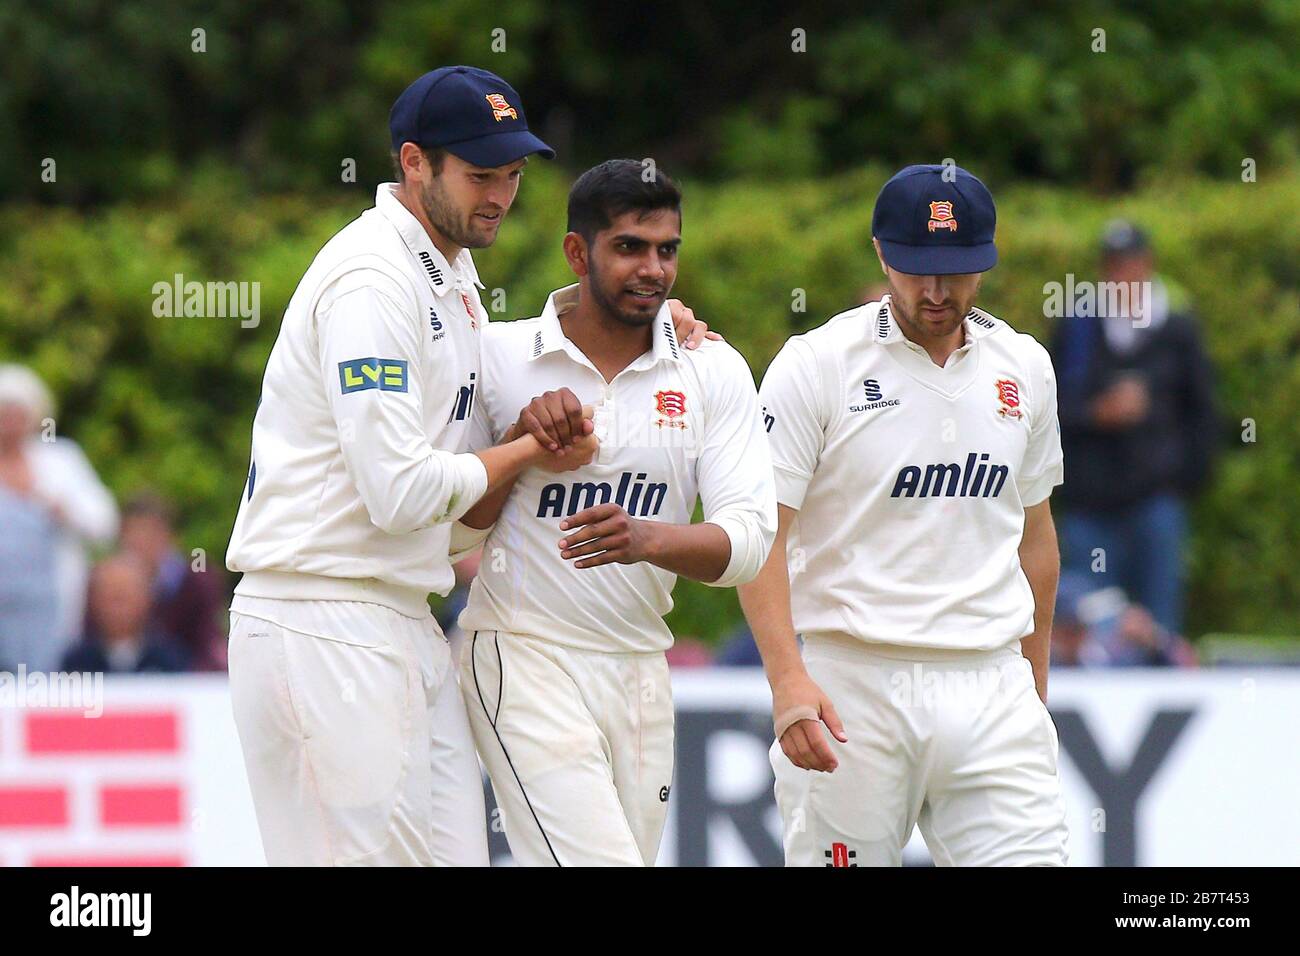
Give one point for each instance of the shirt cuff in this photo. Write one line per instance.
(746, 557)
(1038, 489)
(791, 486)
(471, 485)
(465, 539)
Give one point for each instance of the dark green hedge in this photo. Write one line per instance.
(116, 93)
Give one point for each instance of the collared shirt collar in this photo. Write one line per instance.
(550, 334)
(442, 275)
(886, 331)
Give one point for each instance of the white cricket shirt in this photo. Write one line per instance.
(673, 426)
(357, 470)
(911, 480)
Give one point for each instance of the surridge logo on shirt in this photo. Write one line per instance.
(634, 494)
(386, 375)
(435, 323)
(978, 477)
(875, 397)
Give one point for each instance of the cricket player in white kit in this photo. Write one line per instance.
(344, 693)
(564, 673)
(915, 445)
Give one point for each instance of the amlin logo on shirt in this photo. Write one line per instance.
(875, 398)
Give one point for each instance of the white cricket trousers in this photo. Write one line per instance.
(957, 742)
(354, 736)
(578, 744)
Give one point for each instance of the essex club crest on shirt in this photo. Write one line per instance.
(1008, 398)
(671, 406)
(469, 309)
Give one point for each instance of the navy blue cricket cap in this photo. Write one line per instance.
(928, 226)
(469, 112)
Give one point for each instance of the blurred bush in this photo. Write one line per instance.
(168, 403)
(120, 94)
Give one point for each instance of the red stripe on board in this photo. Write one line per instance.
(134, 732)
(33, 807)
(140, 806)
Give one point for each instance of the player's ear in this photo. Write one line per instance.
(575, 253)
(412, 159)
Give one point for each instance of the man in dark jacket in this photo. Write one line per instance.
(1138, 427)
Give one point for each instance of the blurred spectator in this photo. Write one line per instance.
(739, 649)
(1137, 427)
(54, 506)
(188, 605)
(1100, 627)
(29, 597)
(119, 640)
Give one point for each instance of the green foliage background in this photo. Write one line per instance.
(1091, 92)
(168, 403)
(225, 164)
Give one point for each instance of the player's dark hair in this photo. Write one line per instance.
(434, 156)
(605, 192)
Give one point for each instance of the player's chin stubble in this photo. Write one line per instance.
(908, 316)
(449, 221)
(609, 306)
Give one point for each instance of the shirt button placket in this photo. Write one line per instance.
(607, 411)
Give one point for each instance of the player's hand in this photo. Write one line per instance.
(690, 330)
(583, 451)
(609, 533)
(803, 741)
(556, 419)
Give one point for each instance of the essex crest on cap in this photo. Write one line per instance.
(941, 216)
(500, 108)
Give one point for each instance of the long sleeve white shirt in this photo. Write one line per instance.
(358, 467)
